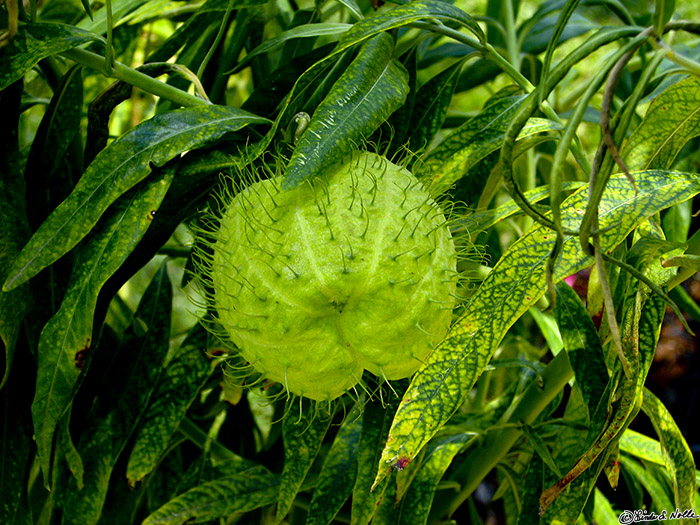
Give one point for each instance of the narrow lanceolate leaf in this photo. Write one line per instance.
(419, 497)
(662, 14)
(127, 161)
(337, 475)
(370, 90)
(516, 283)
(655, 487)
(66, 339)
(182, 378)
(641, 446)
(407, 13)
(677, 456)
(376, 420)
(430, 106)
(120, 405)
(474, 140)
(482, 220)
(34, 42)
(14, 228)
(673, 118)
(583, 347)
(241, 492)
(303, 435)
(303, 31)
(59, 125)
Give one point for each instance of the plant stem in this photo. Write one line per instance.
(511, 35)
(197, 436)
(497, 443)
(133, 77)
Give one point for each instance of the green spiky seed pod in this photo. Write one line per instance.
(350, 272)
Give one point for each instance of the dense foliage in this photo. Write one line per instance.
(559, 137)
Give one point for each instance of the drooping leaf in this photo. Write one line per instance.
(516, 283)
(66, 339)
(180, 382)
(98, 22)
(583, 347)
(303, 435)
(660, 499)
(418, 499)
(430, 106)
(34, 42)
(127, 161)
(122, 403)
(14, 228)
(58, 128)
(662, 14)
(474, 140)
(303, 31)
(372, 87)
(337, 475)
(376, 421)
(673, 118)
(677, 456)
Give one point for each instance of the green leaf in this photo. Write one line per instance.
(583, 348)
(554, 40)
(15, 446)
(34, 42)
(126, 161)
(353, 8)
(371, 88)
(660, 499)
(303, 435)
(58, 128)
(419, 497)
(376, 420)
(183, 377)
(66, 339)
(14, 228)
(677, 456)
(483, 220)
(407, 13)
(430, 106)
(662, 14)
(241, 492)
(98, 22)
(641, 446)
(516, 283)
(338, 473)
(673, 118)
(303, 31)
(483, 134)
(120, 406)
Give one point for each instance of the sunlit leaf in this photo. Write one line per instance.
(371, 88)
(677, 456)
(474, 140)
(673, 118)
(126, 161)
(516, 283)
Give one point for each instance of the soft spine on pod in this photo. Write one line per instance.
(351, 272)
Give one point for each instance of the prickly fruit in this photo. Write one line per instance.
(352, 271)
